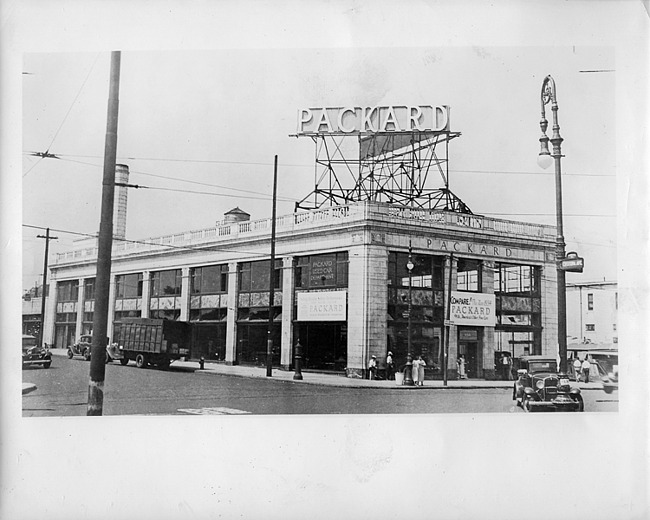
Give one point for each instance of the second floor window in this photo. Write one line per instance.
(128, 285)
(68, 291)
(590, 301)
(166, 283)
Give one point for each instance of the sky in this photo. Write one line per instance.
(200, 129)
(209, 94)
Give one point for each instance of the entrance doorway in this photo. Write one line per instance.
(469, 344)
(324, 345)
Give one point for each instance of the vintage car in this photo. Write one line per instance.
(81, 347)
(610, 380)
(539, 386)
(114, 352)
(34, 354)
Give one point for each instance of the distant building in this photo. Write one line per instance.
(592, 314)
(31, 310)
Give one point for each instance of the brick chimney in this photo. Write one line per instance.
(119, 209)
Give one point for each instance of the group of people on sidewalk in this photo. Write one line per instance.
(417, 369)
(581, 368)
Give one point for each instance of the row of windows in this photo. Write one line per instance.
(330, 270)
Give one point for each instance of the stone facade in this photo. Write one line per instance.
(367, 233)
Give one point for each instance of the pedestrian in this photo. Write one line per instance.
(462, 367)
(418, 371)
(390, 366)
(372, 368)
(577, 368)
(586, 367)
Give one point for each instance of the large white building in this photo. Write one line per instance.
(341, 287)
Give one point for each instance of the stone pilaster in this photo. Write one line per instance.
(288, 295)
(146, 294)
(367, 306)
(452, 330)
(185, 294)
(80, 308)
(487, 287)
(231, 317)
(549, 310)
(50, 314)
(111, 307)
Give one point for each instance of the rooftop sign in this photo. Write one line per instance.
(355, 120)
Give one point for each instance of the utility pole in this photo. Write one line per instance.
(47, 238)
(269, 339)
(105, 245)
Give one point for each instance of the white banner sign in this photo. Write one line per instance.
(322, 306)
(472, 309)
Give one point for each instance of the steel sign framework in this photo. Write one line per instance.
(397, 167)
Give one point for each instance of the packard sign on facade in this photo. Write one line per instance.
(322, 306)
(473, 309)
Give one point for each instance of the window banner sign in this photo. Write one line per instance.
(322, 306)
(472, 309)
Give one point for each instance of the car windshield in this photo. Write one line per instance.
(29, 342)
(542, 366)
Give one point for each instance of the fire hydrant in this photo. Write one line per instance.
(201, 363)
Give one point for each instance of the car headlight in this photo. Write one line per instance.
(539, 384)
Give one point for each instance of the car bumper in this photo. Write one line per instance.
(559, 404)
(40, 361)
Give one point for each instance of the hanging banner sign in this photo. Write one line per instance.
(354, 120)
(322, 306)
(472, 309)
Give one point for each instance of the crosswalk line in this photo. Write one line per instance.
(213, 411)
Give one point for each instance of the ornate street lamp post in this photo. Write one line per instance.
(545, 159)
(408, 369)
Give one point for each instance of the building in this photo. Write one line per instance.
(342, 288)
(592, 314)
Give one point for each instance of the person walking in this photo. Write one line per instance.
(586, 367)
(372, 368)
(577, 368)
(462, 367)
(390, 366)
(418, 371)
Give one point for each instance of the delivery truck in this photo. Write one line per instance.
(148, 341)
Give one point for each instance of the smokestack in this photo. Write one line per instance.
(121, 192)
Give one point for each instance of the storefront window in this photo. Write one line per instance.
(329, 270)
(427, 270)
(510, 278)
(166, 283)
(211, 279)
(67, 291)
(128, 285)
(254, 276)
(89, 289)
(468, 275)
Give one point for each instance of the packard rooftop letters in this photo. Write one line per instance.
(350, 120)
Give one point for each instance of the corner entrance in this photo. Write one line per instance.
(470, 344)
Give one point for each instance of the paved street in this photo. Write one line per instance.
(184, 390)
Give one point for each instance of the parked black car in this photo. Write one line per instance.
(34, 354)
(540, 387)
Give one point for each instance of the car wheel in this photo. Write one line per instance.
(608, 389)
(87, 354)
(139, 361)
(581, 403)
(124, 361)
(70, 354)
(47, 365)
(514, 393)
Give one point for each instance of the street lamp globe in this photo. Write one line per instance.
(544, 160)
(410, 265)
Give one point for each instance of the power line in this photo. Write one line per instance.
(263, 195)
(214, 161)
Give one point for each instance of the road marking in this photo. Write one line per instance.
(213, 411)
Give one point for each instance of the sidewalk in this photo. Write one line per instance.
(329, 379)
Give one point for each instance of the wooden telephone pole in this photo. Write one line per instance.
(47, 238)
(105, 245)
